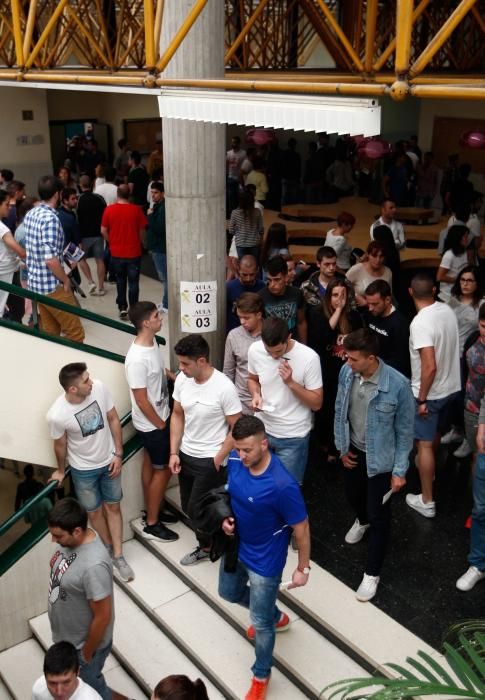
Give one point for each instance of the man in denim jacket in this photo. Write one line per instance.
(374, 420)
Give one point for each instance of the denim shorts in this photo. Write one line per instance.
(157, 444)
(92, 672)
(95, 487)
(426, 427)
(93, 247)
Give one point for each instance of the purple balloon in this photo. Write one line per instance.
(473, 139)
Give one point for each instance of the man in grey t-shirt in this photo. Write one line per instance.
(81, 591)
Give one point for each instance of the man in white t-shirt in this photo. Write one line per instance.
(388, 212)
(285, 382)
(86, 430)
(147, 378)
(108, 190)
(61, 676)
(205, 408)
(434, 347)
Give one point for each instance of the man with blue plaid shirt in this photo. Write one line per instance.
(44, 243)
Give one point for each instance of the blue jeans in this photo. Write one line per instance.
(126, 270)
(293, 452)
(95, 487)
(260, 598)
(92, 672)
(477, 544)
(160, 262)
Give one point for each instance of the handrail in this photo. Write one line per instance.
(30, 538)
(76, 310)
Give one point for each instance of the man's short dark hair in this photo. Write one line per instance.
(250, 303)
(193, 346)
(3, 196)
(69, 374)
(67, 192)
(48, 186)
(158, 186)
(15, 186)
(481, 313)
(387, 199)
(122, 143)
(380, 287)
(123, 191)
(85, 181)
(422, 286)
(7, 175)
(362, 340)
(246, 426)
(136, 157)
(109, 173)
(277, 266)
(141, 311)
(68, 514)
(61, 658)
(274, 332)
(325, 251)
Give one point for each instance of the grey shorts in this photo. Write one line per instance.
(93, 247)
(471, 428)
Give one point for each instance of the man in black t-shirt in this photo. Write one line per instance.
(138, 180)
(281, 300)
(90, 208)
(391, 326)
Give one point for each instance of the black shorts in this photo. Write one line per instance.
(157, 444)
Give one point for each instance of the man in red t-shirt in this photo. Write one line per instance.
(122, 226)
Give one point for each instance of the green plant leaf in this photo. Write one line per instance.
(436, 666)
(462, 669)
(404, 672)
(423, 670)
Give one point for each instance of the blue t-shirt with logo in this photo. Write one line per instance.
(265, 507)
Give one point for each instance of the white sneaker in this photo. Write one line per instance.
(368, 588)
(356, 532)
(92, 287)
(463, 450)
(469, 579)
(415, 501)
(452, 435)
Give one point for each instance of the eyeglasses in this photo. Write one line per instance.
(468, 279)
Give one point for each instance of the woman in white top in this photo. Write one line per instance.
(336, 239)
(10, 251)
(362, 274)
(454, 259)
(466, 299)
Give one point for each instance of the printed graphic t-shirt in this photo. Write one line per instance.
(89, 441)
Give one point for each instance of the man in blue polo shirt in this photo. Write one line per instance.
(267, 503)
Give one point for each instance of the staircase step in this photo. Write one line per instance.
(145, 649)
(4, 692)
(116, 676)
(362, 629)
(20, 666)
(298, 653)
(195, 626)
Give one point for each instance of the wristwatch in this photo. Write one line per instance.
(304, 569)
(420, 402)
(118, 454)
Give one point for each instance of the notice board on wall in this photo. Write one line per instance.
(446, 140)
(142, 134)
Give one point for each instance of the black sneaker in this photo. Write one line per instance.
(159, 532)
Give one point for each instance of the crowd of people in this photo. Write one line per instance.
(328, 351)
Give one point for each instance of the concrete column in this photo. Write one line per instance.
(194, 170)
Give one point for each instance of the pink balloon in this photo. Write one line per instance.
(473, 139)
(375, 148)
(260, 136)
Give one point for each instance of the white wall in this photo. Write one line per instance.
(31, 160)
(24, 435)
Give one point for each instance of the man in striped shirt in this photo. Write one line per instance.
(44, 243)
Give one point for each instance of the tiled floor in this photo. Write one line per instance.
(425, 556)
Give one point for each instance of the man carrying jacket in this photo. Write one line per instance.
(374, 424)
